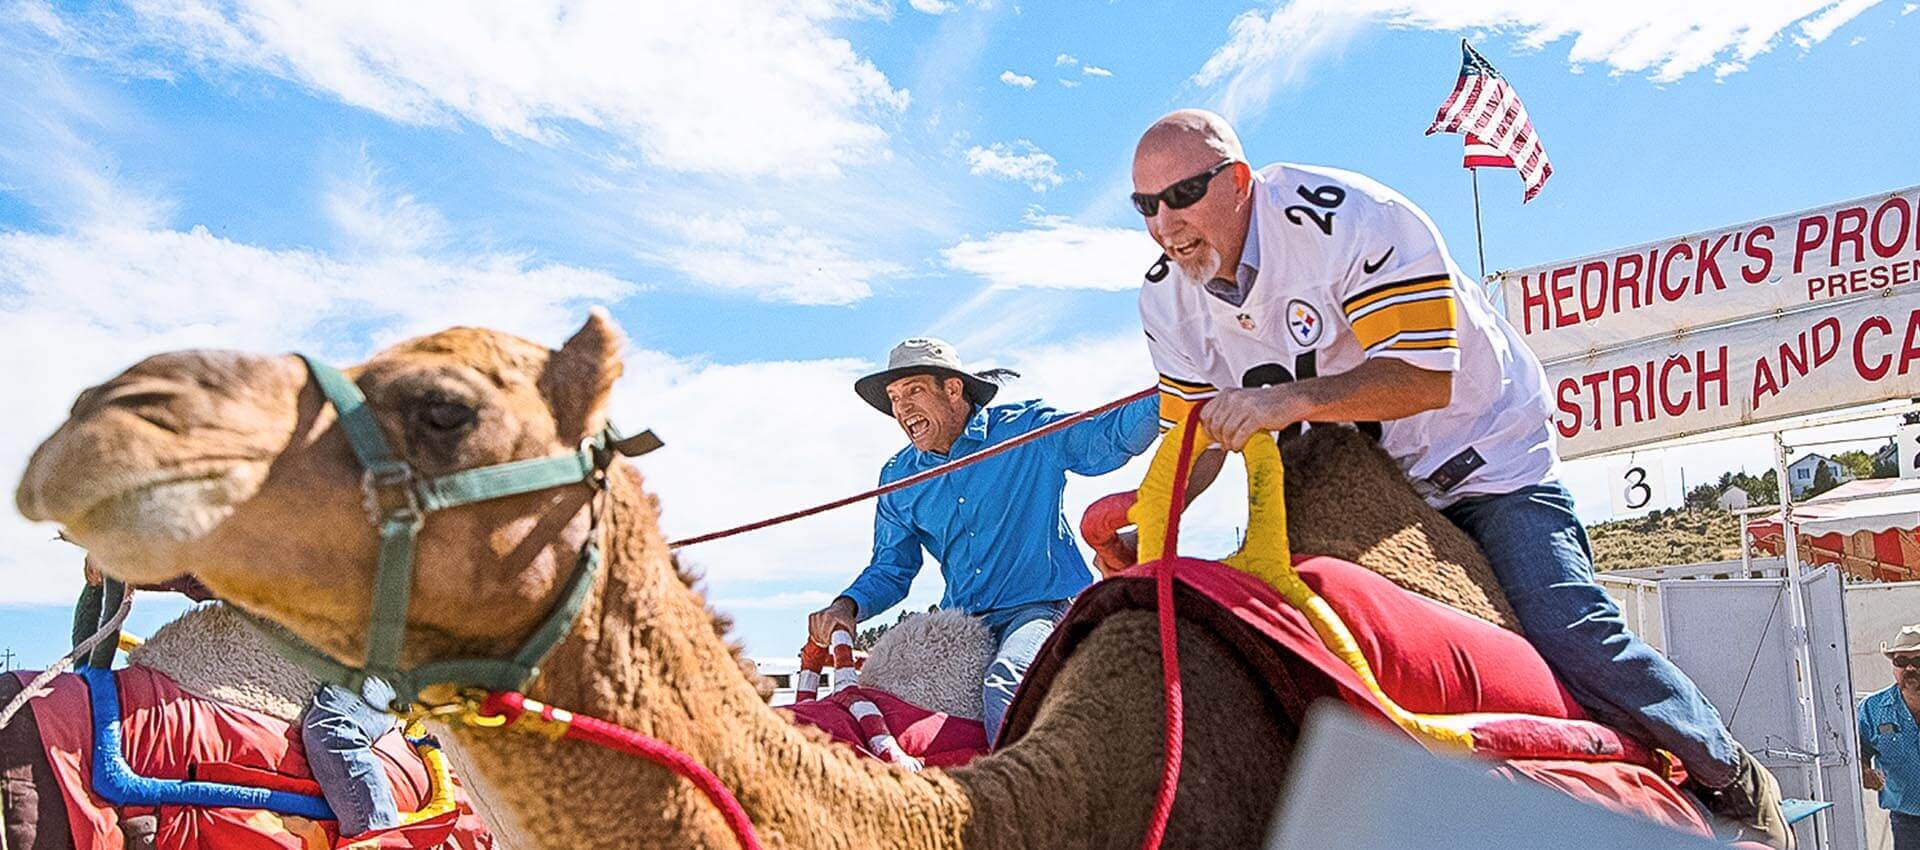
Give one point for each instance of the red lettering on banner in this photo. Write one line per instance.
(1849, 226)
(1709, 264)
(1763, 383)
(1674, 293)
(1910, 347)
(1824, 351)
(1531, 298)
(1885, 251)
(1759, 250)
(1641, 392)
(1672, 407)
(1569, 428)
(1593, 296)
(1811, 233)
(1562, 318)
(1626, 391)
(1627, 281)
(1871, 373)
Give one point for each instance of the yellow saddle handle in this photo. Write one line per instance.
(1267, 556)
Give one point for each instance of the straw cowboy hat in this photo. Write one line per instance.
(1908, 640)
(928, 356)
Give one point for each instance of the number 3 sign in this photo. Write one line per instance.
(1639, 484)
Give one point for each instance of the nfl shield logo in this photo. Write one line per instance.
(1303, 322)
(1246, 321)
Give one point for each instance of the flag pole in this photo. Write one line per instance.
(1478, 242)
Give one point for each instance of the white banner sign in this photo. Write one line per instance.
(1662, 289)
(1853, 352)
(1770, 320)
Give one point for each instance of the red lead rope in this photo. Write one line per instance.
(513, 706)
(919, 477)
(1169, 647)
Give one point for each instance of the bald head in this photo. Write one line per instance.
(1191, 134)
(1205, 233)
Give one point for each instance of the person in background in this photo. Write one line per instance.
(1890, 739)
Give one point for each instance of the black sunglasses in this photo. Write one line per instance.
(1180, 195)
(1906, 661)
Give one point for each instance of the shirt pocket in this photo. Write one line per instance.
(1894, 746)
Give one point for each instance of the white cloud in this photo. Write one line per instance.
(1069, 84)
(789, 600)
(1910, 8)
(1663, 39)
(80, 306)
(760, 253)
(1019, 81)
(932, 7)
(728, 86)
(375, 220)
(1095, 71)
(1064, 59)
(1021, 161)
(1055, 253)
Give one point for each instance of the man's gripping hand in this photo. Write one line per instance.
(1871, 779)
(837, 615)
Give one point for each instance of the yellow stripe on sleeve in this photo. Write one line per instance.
(1426, 318)
(1178, 398)
(1358, 304)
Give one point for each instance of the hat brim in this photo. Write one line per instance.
(873, 388)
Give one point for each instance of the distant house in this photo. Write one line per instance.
(1803, 472)
(1732, 499)
(1888, 457)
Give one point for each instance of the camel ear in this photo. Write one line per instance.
(579, 377)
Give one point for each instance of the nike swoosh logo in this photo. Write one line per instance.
(1374, 266)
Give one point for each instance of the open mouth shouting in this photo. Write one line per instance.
(1184, 249)
(916, 425)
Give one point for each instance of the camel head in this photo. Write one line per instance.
(231, 468)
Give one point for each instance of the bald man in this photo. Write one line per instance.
(1298, 294)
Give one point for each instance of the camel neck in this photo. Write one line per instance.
(671, 675)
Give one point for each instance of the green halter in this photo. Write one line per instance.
(397, 505)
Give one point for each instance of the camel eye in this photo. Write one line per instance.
(445, 416)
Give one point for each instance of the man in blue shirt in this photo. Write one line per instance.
(1006, 550)
(1890, 740)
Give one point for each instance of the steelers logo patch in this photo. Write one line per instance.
(1303, 323)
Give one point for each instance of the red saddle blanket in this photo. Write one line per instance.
(171, 734)
(1428, 657)
(935, 738)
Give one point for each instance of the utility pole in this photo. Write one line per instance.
(6, 659)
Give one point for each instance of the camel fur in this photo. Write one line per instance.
(935, 660)
(250, 486)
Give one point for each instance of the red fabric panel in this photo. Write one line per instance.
(936, 738)
(1431, 658)
(1625, 788)
(170, 734)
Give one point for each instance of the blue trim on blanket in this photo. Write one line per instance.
(115, 781)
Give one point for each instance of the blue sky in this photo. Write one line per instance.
(769, 194)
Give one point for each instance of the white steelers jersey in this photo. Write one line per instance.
(1348, 269)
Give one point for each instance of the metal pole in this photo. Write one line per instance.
(1478, 242)
(1798, 639)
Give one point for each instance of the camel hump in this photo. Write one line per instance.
(935, 660)
(1347, 499)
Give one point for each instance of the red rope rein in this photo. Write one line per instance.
(513, 706)
(918, 477)
(1170, 649)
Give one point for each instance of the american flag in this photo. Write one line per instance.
(1489, 113)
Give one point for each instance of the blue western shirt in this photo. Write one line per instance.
(1890, 737)
(996, 527)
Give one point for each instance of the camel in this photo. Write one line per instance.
(229, 467)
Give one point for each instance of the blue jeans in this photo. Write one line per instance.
(1539, 552)
(339, 729)
(1906, 830)
(1018, 633)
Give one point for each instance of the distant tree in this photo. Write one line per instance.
(1705, 496)
(1888, 462)
(1764, 490)
(1857, 462)
(1823, 480)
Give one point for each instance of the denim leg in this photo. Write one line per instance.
(1539, 552)
(339, 729)
(1906, 830)
(1019, 632)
